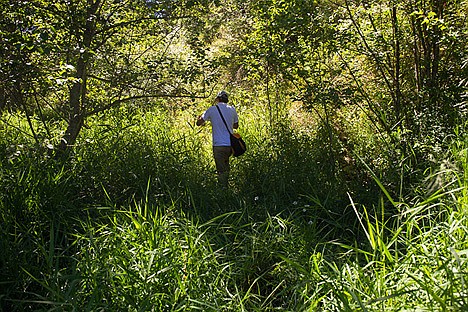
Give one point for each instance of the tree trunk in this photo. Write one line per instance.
(2, 98)
(396, 69)
(78, 93)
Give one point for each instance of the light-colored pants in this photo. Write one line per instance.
(221, 155)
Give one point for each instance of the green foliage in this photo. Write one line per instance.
(78, 58)
(345, 200)
(164, 262)
(134, 221)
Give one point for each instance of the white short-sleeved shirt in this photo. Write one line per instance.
(219, 132)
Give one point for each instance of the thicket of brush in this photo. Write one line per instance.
(133, 220)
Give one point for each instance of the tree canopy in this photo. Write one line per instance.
(403, 64)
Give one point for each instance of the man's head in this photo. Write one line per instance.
(222, 96)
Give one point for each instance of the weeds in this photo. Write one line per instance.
(134, 221)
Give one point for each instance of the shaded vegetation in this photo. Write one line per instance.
(134, 220)
(351, 197)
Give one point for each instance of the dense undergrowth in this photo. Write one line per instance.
(132, 220)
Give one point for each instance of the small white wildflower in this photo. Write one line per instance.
(295, 203)
(256, 198)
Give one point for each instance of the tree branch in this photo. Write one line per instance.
(139, 97)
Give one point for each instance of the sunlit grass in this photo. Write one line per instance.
(133, 221)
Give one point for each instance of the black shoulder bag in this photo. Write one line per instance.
(237, 143)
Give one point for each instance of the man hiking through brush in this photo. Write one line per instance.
(221, 137)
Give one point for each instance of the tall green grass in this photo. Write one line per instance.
(133, 221)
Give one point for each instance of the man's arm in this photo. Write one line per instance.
(200, 121)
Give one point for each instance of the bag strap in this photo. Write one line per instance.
(222, 117)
